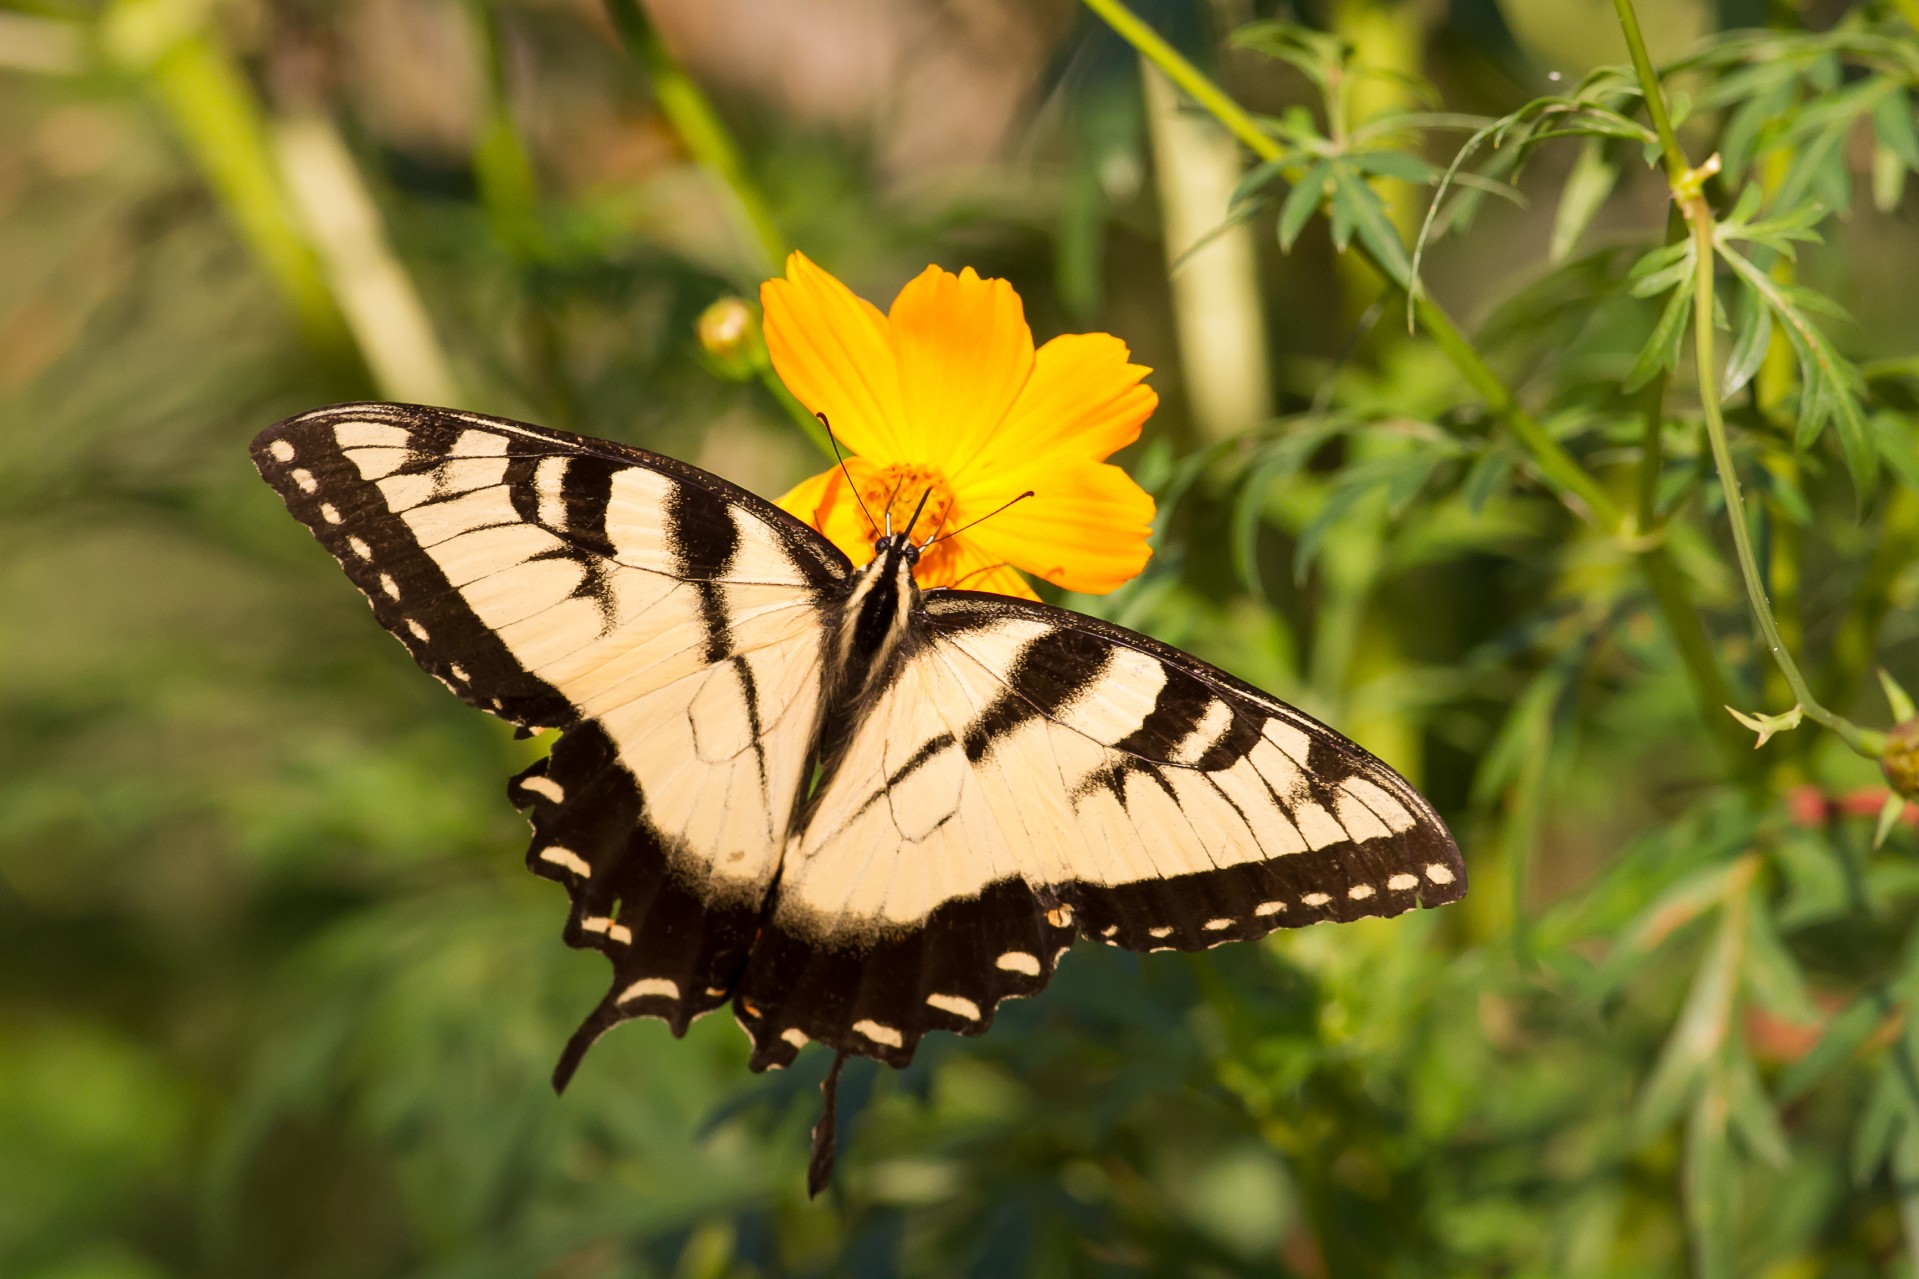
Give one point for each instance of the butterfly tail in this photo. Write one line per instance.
(819, 1169)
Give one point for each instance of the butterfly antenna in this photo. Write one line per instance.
(892, 497)
(982, 519)
(976, 572)
(834, 441)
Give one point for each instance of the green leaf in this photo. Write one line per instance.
(1886, 1108)
(1892, 124)
(1679, 905)
(1708, 1176)
(1258, 178)
(1889, 814)
(1897, 447)
(1844, 1033)
(1897, 699)
(1360, 206)
(1249, 516)
(1751, 120)
(1697, 1036)
(1829, 383)
(1338, 505)
(1318, 55)
(1394, 164)
(1767, 725)
(1753, 339)
(1753, 1117)
(1895, 149)
(1661, 269)
(1771, 973)
(1661, 351)
(1301, 202)
(1587, 186)
(1488, 477)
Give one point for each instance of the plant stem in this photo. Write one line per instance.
(1687, 183)
(691, 113)
(1560, 470)
(225, 128)
(1676, 166)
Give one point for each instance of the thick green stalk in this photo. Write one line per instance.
(692, 115)
(217, 116)
(1676, 166)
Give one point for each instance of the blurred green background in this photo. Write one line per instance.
(276, 994)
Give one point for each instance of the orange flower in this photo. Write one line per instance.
(945, 397)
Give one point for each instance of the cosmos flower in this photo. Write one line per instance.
(944, 397)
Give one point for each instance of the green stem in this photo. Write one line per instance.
(692, 115)
(1686, 188)
(509, 190)
(221, 121)
(1572, 482)
(1676, 167)
(1150, 45)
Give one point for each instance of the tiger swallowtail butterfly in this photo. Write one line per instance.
(853, 810)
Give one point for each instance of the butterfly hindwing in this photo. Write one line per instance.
(669, 622)
(1030, 775)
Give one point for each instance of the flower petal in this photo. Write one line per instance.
(963, 352)
(810, 498)
(971, 568)
(1084, 528)
(1084, 400)
(829, 504)
(832, 350)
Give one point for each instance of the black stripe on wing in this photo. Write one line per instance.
(677, 945)
(409, 593)
(879, 995)
(1386, 851)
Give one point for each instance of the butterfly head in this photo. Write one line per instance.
(900, 544)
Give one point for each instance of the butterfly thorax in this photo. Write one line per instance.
(874, 617)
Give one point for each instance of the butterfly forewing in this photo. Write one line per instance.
(670, 622)
(1031, 775)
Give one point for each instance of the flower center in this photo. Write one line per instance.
(897, 490)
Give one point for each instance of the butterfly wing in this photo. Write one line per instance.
(670, 623)
(1031, 775)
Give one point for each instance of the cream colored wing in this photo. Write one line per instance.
(1031, 775)
(669, 622)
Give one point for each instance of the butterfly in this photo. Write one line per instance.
(852, 810)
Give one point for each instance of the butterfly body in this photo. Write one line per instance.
(853, 811)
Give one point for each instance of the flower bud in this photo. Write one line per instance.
(729, 333)
(1900, 760)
